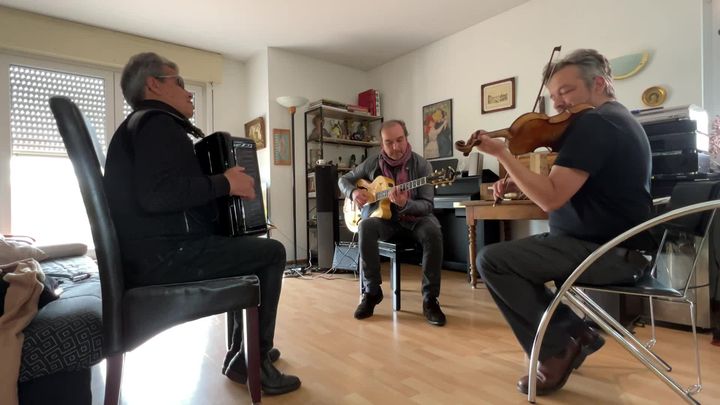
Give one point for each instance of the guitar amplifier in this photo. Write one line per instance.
(218, 152)
(680, 161)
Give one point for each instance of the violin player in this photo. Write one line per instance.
(598, 188)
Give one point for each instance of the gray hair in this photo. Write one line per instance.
(591, 64)
(136, 72)
(387, 124)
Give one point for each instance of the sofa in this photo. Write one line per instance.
(64, 340)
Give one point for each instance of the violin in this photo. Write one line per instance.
(529, 131)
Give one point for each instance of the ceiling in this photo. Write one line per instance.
(363, 34)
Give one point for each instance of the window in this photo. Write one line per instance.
(32, 126)
(40, 196)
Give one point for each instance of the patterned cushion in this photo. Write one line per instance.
(66, 334)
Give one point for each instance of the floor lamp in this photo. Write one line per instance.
(291, 103)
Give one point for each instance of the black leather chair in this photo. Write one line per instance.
(133, 315)
(685, 232)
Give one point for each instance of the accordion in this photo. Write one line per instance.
(218, 152)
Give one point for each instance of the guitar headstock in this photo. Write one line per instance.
(442, 177)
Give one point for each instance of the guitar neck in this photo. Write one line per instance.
(402, 187)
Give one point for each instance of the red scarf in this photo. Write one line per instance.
(390, 167)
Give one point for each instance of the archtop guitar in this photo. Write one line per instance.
(379, 206)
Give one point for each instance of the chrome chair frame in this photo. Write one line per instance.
(579, 299)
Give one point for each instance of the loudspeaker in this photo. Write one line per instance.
(327, 213)
(346, 257)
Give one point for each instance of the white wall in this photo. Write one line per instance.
(227, 104)
(290, 74)
(713, 32)
(255, 102)
(518, 43)
(62, 39)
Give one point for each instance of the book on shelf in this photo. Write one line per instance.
(358, 109)
(327, 103)
(370, 99)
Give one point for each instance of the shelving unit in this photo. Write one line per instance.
(343, 139)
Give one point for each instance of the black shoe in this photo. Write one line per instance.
(273, 382)
(432, 311)
(239, 369)
(367, 305)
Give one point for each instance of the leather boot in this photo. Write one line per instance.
(553, 372)
(590, 341)
(432, 312)
(274, 382)
(367, 305)
(238, 371)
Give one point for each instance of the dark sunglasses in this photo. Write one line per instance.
(178, 79)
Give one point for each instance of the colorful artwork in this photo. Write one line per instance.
(281, 147)
(437, 130)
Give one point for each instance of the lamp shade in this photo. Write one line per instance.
(291, 101)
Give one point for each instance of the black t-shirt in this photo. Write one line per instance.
(612, 147)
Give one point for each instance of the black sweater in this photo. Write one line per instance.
(156, 190)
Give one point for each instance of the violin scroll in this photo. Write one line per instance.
(474, 140)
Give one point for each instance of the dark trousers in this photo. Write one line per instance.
(425, 231)
(515, 273)
(217, 257)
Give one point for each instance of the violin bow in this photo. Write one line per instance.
(546, 77)
(548, 73)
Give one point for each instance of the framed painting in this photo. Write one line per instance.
(437, 130)
(281, 147)
(255, 130)
(498, 96)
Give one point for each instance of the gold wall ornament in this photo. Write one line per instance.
(654, 96)
(628, 65)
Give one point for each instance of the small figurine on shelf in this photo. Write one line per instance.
(352, 161)
(341, 165)
(362, 158)
(358, 131)
(336, 130)
(317, 124)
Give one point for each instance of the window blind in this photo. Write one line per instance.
(32, 125)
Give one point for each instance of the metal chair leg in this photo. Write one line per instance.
(624, 332)
(651, 343)
(697, 387)
(604, 320)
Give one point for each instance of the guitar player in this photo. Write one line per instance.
(412, 218)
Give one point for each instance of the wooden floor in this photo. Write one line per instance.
(396, 358)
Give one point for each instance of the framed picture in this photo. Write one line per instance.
(255, 130)
(437, 130)
(281, 147)
(498, 96)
